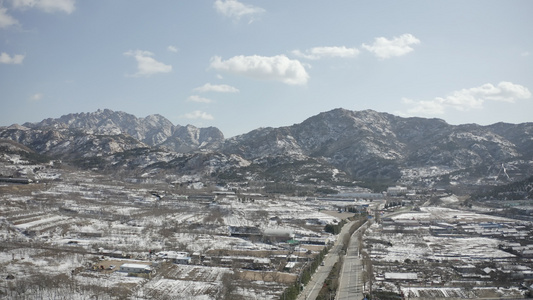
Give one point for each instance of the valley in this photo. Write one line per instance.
(60, 237)
(109, 206)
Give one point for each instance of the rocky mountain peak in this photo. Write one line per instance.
(154, 130)
(352, 145)
(371, 144)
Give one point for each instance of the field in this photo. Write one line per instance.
(61, 236)
(68, 235)
(438, 252)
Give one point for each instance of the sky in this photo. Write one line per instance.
(239, 65)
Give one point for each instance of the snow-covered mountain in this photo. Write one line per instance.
(337, 146)
(154, 130)
(368, 144)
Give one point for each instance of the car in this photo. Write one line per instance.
(111, 267)
(322, 263)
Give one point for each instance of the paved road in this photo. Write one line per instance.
(351, 279)
(311, 290)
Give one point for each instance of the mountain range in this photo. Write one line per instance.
(337, 147)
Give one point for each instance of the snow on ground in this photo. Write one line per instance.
(403, 247)
(428, 293)
(18, 254)
(450, 199)
(425, 172)
(416, 248)
(199, 283)
(20, 198)
(179, 289)
(184, 282)
(191, 217)
(108, 280)
(125, 210)
(205, 242)
(69, 220)
(27, 261)
(197, 273)
(421, 245)
(47, 220)
(466, 249)
(431, 213)
(426, 247)
(457, 292)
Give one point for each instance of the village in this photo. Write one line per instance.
(83, 234)
(89, 235)
(439, 252)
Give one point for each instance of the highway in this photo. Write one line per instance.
(351, 278)
(311, 290)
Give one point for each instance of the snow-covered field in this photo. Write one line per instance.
(55, 236)
(71, 234)
(431, 213)
(423, 248)
(451, 252)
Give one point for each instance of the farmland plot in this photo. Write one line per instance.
(55, 234)
(445, 253)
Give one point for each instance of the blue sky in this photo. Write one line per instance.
(241, 65)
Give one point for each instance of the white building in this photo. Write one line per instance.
(135, 268)
(401, 276)
(396, 190)
(182, 258)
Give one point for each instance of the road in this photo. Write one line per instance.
(311, 290)
(351, 278)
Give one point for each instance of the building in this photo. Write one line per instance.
(245, 262)
(251, 197)
(135, 268)
(182, 258)
(396, 190)
(466, 269)
(401, 276)
(244, 231)
(314, 240)
(111, 253)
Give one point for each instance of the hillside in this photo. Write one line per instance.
(380, 146)
(336, 147)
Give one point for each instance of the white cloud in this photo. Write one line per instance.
(146, 65)
(198, 115)
(468, 99)
(504, 91)
(5, 19)
(236, 10)
(426, 108)
(67, 6)
(196, 98)
(172, 49)
(277, 67)
(219, 88)
(322, 52)
(525, 54)
(398, 46)
(36, 97)
(7, 59)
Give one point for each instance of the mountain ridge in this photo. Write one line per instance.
(153, 130)
(331, 147)
(372, 144)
